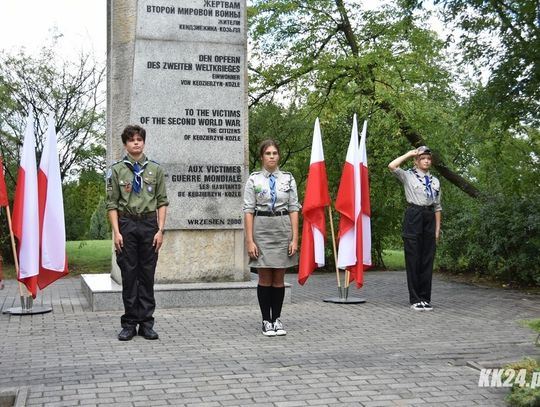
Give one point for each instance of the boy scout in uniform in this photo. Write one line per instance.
(422, 224)
(137, 205)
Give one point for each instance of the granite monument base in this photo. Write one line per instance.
(104, 294)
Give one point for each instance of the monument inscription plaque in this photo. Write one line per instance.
(178, 68)
(188, 91)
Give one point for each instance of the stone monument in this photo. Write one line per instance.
(178, 68)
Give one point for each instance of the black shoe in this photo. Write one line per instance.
(126, 334)
(148, 333)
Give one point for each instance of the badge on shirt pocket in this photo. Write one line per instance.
(284, 187)
(150, 182)
(259, 190)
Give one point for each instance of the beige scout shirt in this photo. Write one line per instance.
(257, 192)
(120, 195)
(415, 188)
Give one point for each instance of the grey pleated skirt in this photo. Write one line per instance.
(272, 235)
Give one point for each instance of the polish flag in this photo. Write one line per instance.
(3, 190)
(25, 212)
(365, 201)
(315, 200)
(349, 204)
(51, 212)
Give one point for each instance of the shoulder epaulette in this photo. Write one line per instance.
(155, 162)
(254, 173)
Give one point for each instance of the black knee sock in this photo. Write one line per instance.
(264, 294)
(278, 294)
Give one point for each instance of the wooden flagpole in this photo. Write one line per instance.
(334, 246)
(15, 258)
(27, 307)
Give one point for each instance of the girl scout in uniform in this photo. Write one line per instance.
(271, 219)
(422, 224)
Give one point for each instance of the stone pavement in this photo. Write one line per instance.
(375, 354)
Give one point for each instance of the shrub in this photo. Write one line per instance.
(525, 395)
(497, 236)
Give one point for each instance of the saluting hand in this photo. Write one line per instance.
(413, 153)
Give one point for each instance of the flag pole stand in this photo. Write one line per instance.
(33, 310)
(27, 302)
(343, 292)
(344, 295)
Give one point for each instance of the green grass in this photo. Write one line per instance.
(394, 259)
(94, 256)
(84, 257)
(89, 256)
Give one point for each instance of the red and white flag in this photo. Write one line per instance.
(365, 201)
(25, 212)
(315, 200)
(349, 204)
(51, 212)
(3, 190)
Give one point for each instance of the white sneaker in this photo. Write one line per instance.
(418, 307)
(278, 327)
(427, 306)
(268, 329)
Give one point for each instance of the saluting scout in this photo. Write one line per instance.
(271, 219)
(421, 225)
(137, 205)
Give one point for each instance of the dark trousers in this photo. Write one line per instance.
(419, 245)
(137, 261)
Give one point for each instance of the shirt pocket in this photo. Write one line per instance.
(150, 184)
(284, 186)
(125, 186)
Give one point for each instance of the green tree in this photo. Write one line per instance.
(340, 58)
(330, 59)
(500, 38)
(99, 224)
(81, 199)
(72, 90)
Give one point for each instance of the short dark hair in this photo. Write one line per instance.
(131, 130)
(267, 143)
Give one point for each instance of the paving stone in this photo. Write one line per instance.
(374, 354)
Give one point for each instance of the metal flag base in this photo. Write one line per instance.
(24, 311)
(344, 298)
(27, 308)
